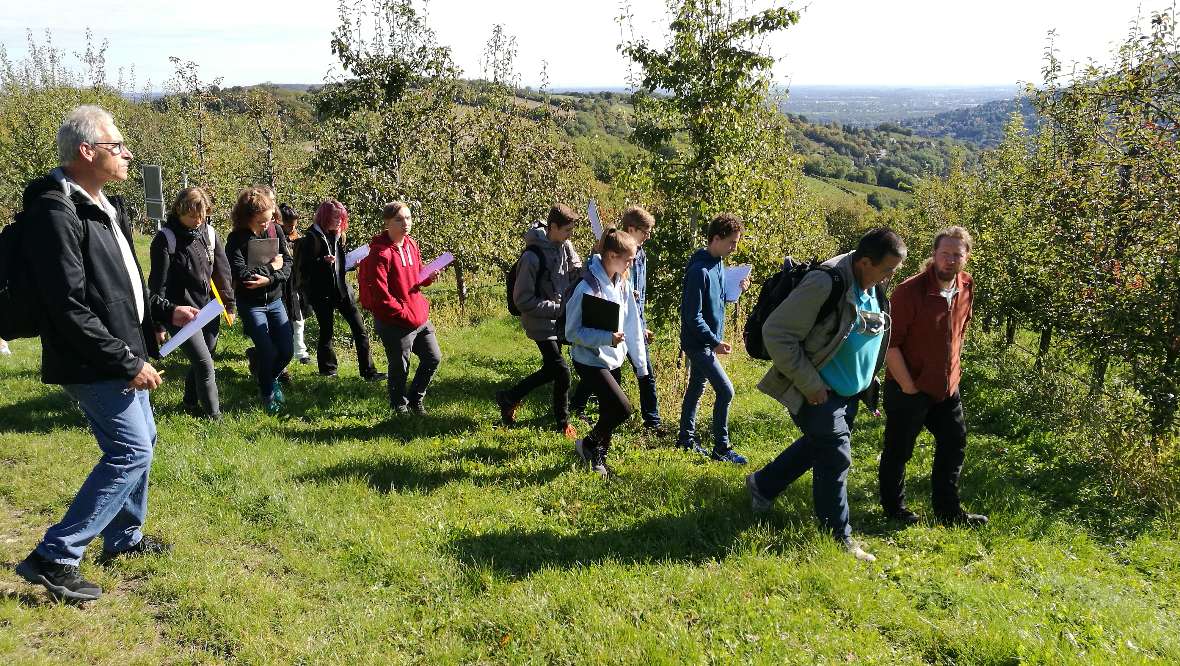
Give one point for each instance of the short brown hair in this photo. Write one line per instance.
(251, 201)
(561, 215)
(637, 218)
(960, 233)
(189, 200)
(391, 209)
(724, 226)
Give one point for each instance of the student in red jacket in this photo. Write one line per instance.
(390, 289)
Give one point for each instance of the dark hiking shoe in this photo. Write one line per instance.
(374, 377)
(417, 409)
(656, 430)
(304, 360)
(963, 519)
(148, 545)
(63, 581)
(507, 408)
(903, 516)
(285, 378)
(695, 448)
(729, 456)
(328, 373)
(598, 463)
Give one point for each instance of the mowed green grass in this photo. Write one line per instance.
(338, 534)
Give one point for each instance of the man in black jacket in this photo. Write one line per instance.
(95, 330)
(321, 268)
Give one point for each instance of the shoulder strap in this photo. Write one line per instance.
(837, 292)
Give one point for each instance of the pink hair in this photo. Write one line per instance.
(329, 209)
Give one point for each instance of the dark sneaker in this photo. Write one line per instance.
(729, 456)
(856, 549)
(417, 409)
(63, 581)
(304, 360)
(375, 377)
(598, 463)
(962, 518)
(328, 373)
(903, 516)
(695, 447)
(568, 431)
(285, 378)
(400, 409)
(758, 502)
(507, 408)
(147, 545)
(656, 430)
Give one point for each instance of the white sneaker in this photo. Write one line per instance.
(853, 548)
(4, 350)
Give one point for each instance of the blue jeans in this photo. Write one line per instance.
(274, 342)
(113, 499)
(705, 368)
(826, 449)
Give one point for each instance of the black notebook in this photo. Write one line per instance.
(261, 251)
(600, 313)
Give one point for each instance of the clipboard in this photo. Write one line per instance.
(600, 313)
(261, 251)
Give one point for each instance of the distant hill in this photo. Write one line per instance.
(982, 125)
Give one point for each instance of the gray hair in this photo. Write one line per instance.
(81, 126)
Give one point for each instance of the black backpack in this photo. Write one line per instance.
(510, 282)
(776, 290)
(19, 306)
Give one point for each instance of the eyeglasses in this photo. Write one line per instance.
(117, 147)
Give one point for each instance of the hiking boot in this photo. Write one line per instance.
(63, 581)
(729, 456)
(304, 360)
(417, 409)
(694, 447)
(656, 430)
(284, 378)
(598, 463)
(963, 519)
(855, 549)
(147, 545)
(903, 516)
(507, 408)
(400, 410)
(758, 502)
(374, 377)
(568, 431)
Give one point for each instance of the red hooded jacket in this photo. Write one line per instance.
(388, 280)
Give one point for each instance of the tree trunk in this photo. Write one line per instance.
(461, 285)
(1043, 349)
(989, 323)
(1010, 331)
(1098, 374)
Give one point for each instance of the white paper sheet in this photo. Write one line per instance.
(733, 281)
(595, 221)
(353, 258)
(435, 266)
(207, 314)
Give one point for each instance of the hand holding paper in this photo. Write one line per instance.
(735, 281)
(207, 314)
(353, 258)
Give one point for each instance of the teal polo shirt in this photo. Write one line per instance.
(851, 370)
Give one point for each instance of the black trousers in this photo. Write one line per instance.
(325, 314)
(649, 403)
(905, 416)
(613, 406)
(553, 369)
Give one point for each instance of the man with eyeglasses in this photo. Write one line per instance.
(95, 331)
(825, 362)
(931, 311)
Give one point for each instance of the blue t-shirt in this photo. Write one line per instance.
(851, 370)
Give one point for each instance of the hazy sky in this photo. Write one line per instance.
(840, 42)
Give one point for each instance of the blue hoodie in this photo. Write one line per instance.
(702, 308)
(591, 346)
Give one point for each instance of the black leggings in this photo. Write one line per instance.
(553, 369)
(613, 406)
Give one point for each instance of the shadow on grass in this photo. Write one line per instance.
(394, 475)
(28, 599)
(696, 536)
(42, 414)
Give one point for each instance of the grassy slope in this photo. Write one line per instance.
(336, 533)
(849, 193)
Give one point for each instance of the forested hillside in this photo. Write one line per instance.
(981, 125)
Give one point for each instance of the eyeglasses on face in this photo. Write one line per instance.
(117, 147)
